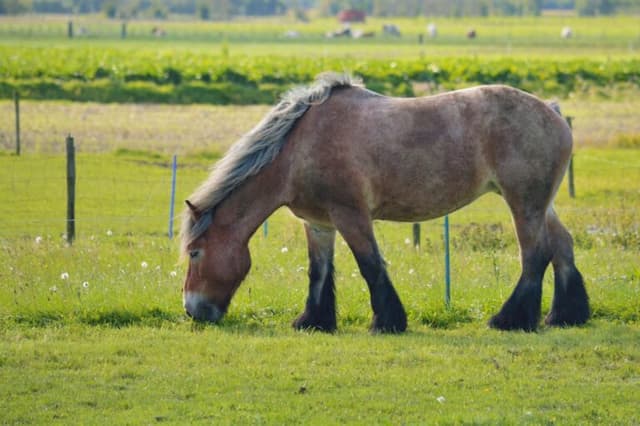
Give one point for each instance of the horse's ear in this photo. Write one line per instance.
(194, 210)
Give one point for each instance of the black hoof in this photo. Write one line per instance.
(570, 304)
(307, 322)
(507, 323)
(567, 318)
(390, 323)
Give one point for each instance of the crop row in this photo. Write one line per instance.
(111, 74)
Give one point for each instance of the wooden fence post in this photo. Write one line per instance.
(16, 101)
(71, 190)
(572, 188)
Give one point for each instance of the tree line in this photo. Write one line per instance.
(224, 9)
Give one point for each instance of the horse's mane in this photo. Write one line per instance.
(256, 149)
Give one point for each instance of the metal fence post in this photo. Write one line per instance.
(16, 101)
(447, 264)
(174, 169)
(71, 190)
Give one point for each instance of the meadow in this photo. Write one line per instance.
(95, 330)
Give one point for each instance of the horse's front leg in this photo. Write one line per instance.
(320, 310)
(388, 313)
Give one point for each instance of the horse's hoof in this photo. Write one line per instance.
(566, 319)
(388, 325)
(305, 322)
(502, 322)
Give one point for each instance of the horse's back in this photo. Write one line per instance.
(419, 158)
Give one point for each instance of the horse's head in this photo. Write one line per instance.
(217, 265)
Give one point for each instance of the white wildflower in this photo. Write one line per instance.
(173, 273)
(109, 232)
(412, 271)
(441, 399)
(85, 284)
(53, 289)
(38, 239)
(144, 265)
(407, 241)
(64, 276)
(284, 250)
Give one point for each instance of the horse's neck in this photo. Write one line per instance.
(249, 205)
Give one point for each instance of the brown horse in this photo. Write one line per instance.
(339, 156)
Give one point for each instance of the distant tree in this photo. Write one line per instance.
(110, 9)
(14, 7)
(204, 11)
(596, 7)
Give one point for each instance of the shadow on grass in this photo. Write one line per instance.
(445, 318)
(263, 321)
(115, 318)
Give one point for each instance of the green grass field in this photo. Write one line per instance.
(95, 332)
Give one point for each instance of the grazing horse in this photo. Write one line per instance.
(340, 156)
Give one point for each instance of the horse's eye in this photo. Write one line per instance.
(195, 254)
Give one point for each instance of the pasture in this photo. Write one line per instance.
(96, 330)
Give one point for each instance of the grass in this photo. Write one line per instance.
(96, 330)
(182, 374)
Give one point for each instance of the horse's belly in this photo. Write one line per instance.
(420, 209)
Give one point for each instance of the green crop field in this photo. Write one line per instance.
(248, 62)
(95, 332)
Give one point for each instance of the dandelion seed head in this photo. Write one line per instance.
(64, 276)
(85, 284)
(144, 265)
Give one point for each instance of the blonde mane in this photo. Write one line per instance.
(254, 150)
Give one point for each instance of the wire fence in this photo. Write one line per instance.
(138, 195)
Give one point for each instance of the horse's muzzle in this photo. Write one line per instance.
(198, 308)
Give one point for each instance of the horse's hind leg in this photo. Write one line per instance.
(570, 304)
(388, 313)
(320, 310)
(522, 310)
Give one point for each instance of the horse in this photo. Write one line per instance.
(340, 156)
